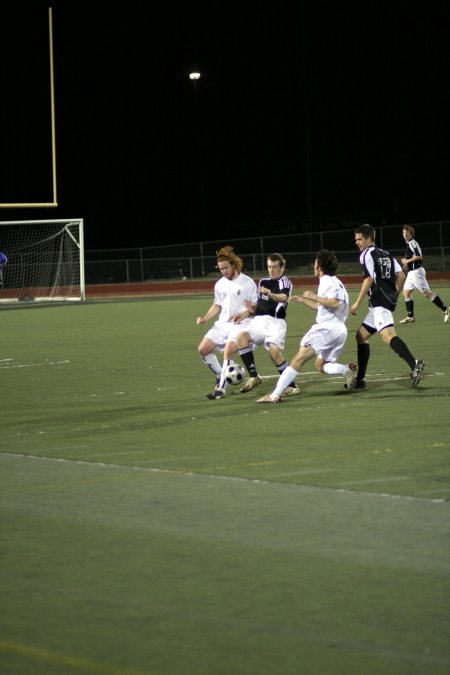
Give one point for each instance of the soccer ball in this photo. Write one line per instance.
(234, 374)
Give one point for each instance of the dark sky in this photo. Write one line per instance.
(313, 110)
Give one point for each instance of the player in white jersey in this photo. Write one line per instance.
(267, 327)
(326, 338)
(231, 292)
(416, 277)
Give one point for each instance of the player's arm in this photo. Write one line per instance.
(212, 311)
(305, 300)
(276, 297)
(416, 255)
(365, 287)
(413, 258)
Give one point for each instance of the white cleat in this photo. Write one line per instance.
(407, 319)
(251, 383)
(291, 391)
(350, 377)
(269, 398)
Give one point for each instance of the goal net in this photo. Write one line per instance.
(45, 260)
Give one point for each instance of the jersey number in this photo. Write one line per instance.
(385, 266)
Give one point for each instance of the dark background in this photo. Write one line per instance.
(306, 113)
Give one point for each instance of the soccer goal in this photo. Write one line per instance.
(45, 260)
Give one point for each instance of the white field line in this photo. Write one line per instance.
(30, 365)
(193, 474)
(375, 377)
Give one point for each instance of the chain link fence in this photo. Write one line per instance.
(196, 260)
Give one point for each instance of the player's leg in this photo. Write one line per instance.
(206, 350)
(246, 341)
(327, 360)
(363, 335)
(436, 300)
(304, 354)
(399, 346)
(409, 302)
(408, 288)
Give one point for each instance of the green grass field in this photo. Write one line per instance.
(146, 530)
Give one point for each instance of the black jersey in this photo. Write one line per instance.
(268, 306)
(383, 268)
(413, 249)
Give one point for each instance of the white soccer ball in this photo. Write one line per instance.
(234, 374)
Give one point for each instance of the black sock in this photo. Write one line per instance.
(246, 355)
(437, 301)
(402, 350)
(363, 360)
(410, 307)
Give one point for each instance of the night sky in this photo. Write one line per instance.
(312, 111)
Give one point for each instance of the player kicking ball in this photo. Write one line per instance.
(326, 338)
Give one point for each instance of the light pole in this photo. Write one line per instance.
(194, 76)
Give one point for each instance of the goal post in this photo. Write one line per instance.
(45, 260)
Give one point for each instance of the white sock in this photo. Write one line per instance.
(334, 369)
(223, 383)
(285, 380)
(213, 364)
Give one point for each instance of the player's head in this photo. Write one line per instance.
(326, 262)
(364, 236)
(275, 265)
(408, 232)
(228, 262)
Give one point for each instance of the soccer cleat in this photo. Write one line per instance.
(292, 390)
(407, 319)
(350, 377)
(269, 398)
(251, 383)
(417, 373)
(359, 384)
(217, 393)
(446, 315)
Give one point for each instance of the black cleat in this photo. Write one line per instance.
(217, 393)
(359, 384)
(417, 373)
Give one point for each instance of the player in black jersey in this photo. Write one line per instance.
(383, 281)
(267, 327)
(416, 276)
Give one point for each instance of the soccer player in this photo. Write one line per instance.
(326, 338)
(416, 277)
(383, 281)
(231, 292)
(267, 327)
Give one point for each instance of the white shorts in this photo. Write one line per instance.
(378, 318)
(222, 331)
(327, 339)
(266, 330)
(416, 279)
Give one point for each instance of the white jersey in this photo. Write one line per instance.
(332, 287)
(230, 295)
